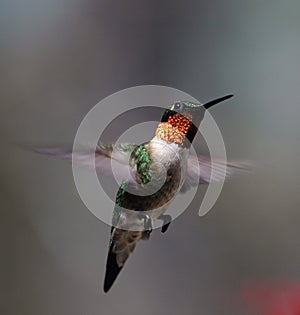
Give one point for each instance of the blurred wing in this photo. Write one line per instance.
(104, 155)
(200, 171)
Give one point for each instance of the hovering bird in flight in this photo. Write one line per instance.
(158, 169)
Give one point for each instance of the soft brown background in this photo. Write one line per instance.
(58, 59)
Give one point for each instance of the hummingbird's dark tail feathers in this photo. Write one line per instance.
(122, 245)
(112, 269)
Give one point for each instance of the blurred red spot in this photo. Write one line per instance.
(272, 297)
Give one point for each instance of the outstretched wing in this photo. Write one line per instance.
(106, 157)
(199, 167)
(199, 171)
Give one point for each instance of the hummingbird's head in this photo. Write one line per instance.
(181, 120)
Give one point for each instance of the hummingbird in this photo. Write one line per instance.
(159, 169)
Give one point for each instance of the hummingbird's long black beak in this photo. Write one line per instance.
(216, 101)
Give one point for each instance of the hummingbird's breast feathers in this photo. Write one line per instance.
(163, 152)
(175, 129)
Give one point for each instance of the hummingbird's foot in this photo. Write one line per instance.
(146, 235)
(166, 218)
(147, 225)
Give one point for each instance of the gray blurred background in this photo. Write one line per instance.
(58, 59)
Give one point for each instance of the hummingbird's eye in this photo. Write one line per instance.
(177, 105)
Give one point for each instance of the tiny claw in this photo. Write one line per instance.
(146, 234)
(166, 218)
(165, 227)
(147, 225)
